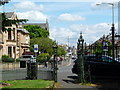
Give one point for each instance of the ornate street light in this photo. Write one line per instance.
(112, 28)
(55, 62)
(80, 59)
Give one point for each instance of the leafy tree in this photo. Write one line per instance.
(44, 45)
(43, 57)
(61, 51)
(36, 31)
(98, 49)
(6, 22)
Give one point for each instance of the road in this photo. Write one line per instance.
(67, 78)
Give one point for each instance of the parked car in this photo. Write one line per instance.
(74, 57)
(117, 59)
(27, 58)
(99, 65)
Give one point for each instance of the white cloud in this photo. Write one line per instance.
(32, 16)
(70, 17)
(91, 33)
(28, 5)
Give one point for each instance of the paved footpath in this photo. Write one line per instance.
(67, 78)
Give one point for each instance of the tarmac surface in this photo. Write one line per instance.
(68, 79)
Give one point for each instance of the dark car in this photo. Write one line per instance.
(99, 65)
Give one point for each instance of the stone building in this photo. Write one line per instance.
(43, 25)
(14, 42)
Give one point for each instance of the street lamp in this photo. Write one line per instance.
(80, 59)
(112, 28)
(55, 62)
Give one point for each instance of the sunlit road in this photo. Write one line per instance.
(67, 78)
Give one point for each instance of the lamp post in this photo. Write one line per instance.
(55, 62)
(80, 59)
(112, 28)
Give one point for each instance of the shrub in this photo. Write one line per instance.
(10, 60)
(18, 60)
(4, 58)
(43, 57)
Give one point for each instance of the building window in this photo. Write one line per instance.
(10, 51)
(27, 39)
(14, 51)
(0, 52)
(13, 34)
(9, 35)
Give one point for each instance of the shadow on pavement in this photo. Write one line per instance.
(100, 83)
(107, 83)
(70, 79)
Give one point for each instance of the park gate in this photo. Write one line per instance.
(97, 60)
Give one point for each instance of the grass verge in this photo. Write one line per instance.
(88, 84)
(27, 84)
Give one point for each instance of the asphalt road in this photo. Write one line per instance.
(67, 78)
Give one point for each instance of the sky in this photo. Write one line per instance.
(68, 18)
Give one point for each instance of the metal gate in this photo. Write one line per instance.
(97, 60)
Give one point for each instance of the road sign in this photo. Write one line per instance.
(35, 48)
(105, 46)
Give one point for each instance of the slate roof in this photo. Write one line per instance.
(9, 14)
(23, 30)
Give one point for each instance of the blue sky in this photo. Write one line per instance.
(68, 19)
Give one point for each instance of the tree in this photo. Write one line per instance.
(44, 45)
(98, 48)
(43, 57)
(36, 31)
(61, 51)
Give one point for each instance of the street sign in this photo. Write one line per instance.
(105, 46)
(35, 48)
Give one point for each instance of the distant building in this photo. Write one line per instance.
(16, 41)
(43, 25)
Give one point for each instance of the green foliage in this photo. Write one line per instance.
(18, 60)
(36, 31)
(6, 22)
(43, 57)
(10, 60)
(98, 49)
(44, 45)
(4, 58)
(61, 51)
